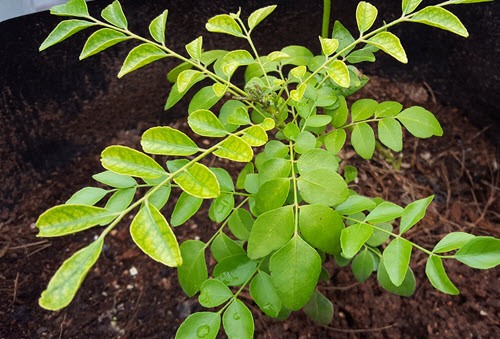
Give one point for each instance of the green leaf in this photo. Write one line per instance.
(350, 173)
(227, 110)
(434, 270)
(452, 241)
(113, 14)
(420, 122)
(396, 259)
(157, 27)
(335, 140)
(205, 98)
(64, 30)
(204, 325)
(379, 237)
(239, 116)
(255, 136)
(128, 161)
(224, 178)
(363, 109)
(240, 223)
(355, 204)
(265, 295)
(174, 72)
(299, 55)
(114, 179)
(390, 44)
(315, 159)
(298, 93)
(101, 40)
(344, 37)
(140, 56)
(120, 200)
(362, 265)
(68, 278)
(221, 207)
(232, 60)
(363, 140)
(205, 123)
(236, 149)
(235, 270)
(151, 232)
(366, 14)
(328, 46)
(409, 6)
(339, 73)
(407, 287)
(167, 141)
(270, 231)
(224, 23)
(413, 213)
(385, 211)
(339, 115)
(185, 208)
(353, 238)
(195, 48)
(304, 142)
(238, 321)
(87, 196)
(257, 16)
(295, 270)
(321, 227)
(361, 55)
(319, 309)
(223, 247)
(213, 293)
(71, 8)
(272, 195)
(388, 109)
(440, 18)
(198, 181)
(193, 271)
(184, 82)
(480, 252)
(68, 219)
(323, 186)
(390, 134)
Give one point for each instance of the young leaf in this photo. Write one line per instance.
(363, 109)
(232, 60)
(323, 186)
(205, 123)
(255, 136)
(328, 46)
(321, 227)
(87, 196)
(409, 6)
(167, 141)
(396, 259)
(205, 98)
(295, 270)
(353, 238)
(100, 40)
(71, 8)
(128, 161)
(113, 14)
(420, 122)
(413, 213)
(355, 204)
(362, 265)
(298, 93)
(270, 232)
(480, 252)
(151, 232)
(221, 207)
(213, 293)
(236, 149)
(195, 48)
(68, 219)
(224, 23)
(335, 140)
(64, 30)
(223, 247)
(114, 179)
(265, 295)
(440, 18)
(436, 274)
(339, 73)
(390, 134)
(185, 208)
(344, 38)
(272, 195)
(319, 309)
(238, 321)
(68, 278)
(235, 270)
(452, 241)
(316, 158)
(385, 211)
(390, 44)
(158, 26)
(366, 14)
(141, 55)
(198, 181)
(407, 287)
(193, 271)
(257, 16)
(388, 109)
(363, 140)
(204, 325)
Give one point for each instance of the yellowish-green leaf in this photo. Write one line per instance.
(339, 73)
(298, 93)
(141, 56)
(158, 26)
(390, 134)
(113, 14)
(100, 40)
(167, 141)
(409, 6)
(236, 149)
(71, 8)
(195, 47)
(232, 60)
(363, 140)
(390, 44)
(328, 46)
(188, 78)
(224, 23)
(198, 181)
(204, 122)
(255, 136)
(366, 14)
(128, 161)
(440, 18)
(257, 16)
(420, 122)
(353, 238)
(64, 30)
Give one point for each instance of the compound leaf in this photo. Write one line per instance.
(198, 181)
(363, 140)
(167, 141)
(101, 40)
(480, 252)
(413, 213)
(339, 73)
(128, 161)
(195, 48)
(113, 14)
(353, 238)
(193, 271)
(323, 186)
(452, 241)
(396, 259)
(224, 23)
(390, 44)
(234, 270)
(238, 321)
(407, 287)
(213, 293)
(385, 211)
(71, 8)
(440, 18)
(366, 14)
(409, 6)
(236, 149)
(321, 227)
(64, 30)
(420, 122)
(265, 295)
(390, 134)
(257, 16)
(140, 56)
(272, 194)
(157, 27)
(204, 325)
(319, 309)
(114, 179)
(205, 123)
(436, 274)
(185, 208)
(362, 265)
(87, 196)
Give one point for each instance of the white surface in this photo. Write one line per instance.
(14, 8)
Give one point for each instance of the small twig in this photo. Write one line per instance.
(62, 325)
(341, 288)
(43, 242)
(434, 101)
(361, 330)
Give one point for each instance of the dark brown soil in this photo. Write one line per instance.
(55, 150)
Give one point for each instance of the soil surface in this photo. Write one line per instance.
(55, 150)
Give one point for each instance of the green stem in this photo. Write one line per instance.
(295, 190)
(325, 28)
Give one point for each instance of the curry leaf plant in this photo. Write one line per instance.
(290, 207)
